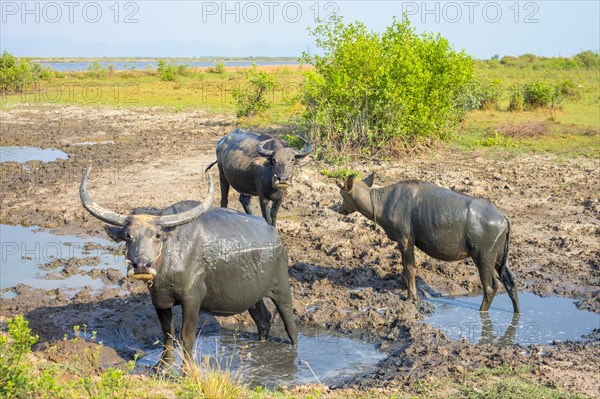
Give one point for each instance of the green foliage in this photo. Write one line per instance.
(340, 173)
(374, 90)
(168, 71)
(541, 94)
(218, 68)
(479, 95)
(96, 70)
(16, 74)
(588, 59)
(293, 141)
(497, 140)
(568, 89)
(255, 96)
(14, 381)
(516, 99)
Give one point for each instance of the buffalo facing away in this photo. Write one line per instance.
(257, 165)
(218, 260)
(444, 224)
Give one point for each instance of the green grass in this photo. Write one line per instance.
(198, 89)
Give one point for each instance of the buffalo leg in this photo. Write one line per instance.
(281, 296)
(224, 189)
(165, 317)
(407, 250)
(485, 265)
(245, 201)
(262, 317)
(266, 212)
(507, 278)
(191, 314)
(275, 209)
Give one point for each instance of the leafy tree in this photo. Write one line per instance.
(373, 90)
(254, 96)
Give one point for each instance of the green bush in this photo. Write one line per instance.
(588, 59)
(381, 91)
(568, 89)
(218, 68)
(540, 95)
(254, 97)
(14, 347)
(96, 70)
(479, 95)
(168, 71)
(516, 98)
(16, 74)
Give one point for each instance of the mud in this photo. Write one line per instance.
(345, 273)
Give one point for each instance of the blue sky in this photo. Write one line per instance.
(279, 28)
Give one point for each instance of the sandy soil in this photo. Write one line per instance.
(345, 273)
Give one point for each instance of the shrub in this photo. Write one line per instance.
(588, 59)
(167, 71)
(516, 98)
(96, 70)
(255, 96)
(218, 68)
(540, 94)
(376, 91)
(14, 381)
(568, 89)
(16, 74)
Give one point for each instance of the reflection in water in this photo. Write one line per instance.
(488, 335)
(544, 320)
(319, 357)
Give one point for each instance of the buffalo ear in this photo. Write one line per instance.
(116, 233)
(369, 179)
(349, 183)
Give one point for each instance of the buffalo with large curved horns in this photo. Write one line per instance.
(215, 259)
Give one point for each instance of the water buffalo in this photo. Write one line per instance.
(256, 165)
(444, 224)
(218, 260)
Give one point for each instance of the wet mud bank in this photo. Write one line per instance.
(344, 272)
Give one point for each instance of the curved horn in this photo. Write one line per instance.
(96, 210)
(194, 213)
(260, 148)
(305, 151)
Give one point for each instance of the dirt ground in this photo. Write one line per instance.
(345, 274)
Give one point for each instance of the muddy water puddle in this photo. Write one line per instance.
(319, 358)
(25, 154)
(544, 320)
(40, 259)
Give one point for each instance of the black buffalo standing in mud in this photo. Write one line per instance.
(218, 260)
(256, 165)
(444, 224)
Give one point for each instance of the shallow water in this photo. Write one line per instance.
(24, 249)
(24, 154)
(320, 357)
(544, 320)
